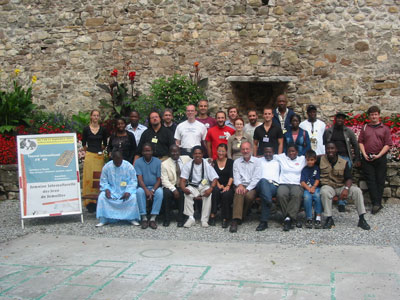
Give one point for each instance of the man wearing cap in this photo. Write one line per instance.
(282, 114)
(346, 144)
(315, 129)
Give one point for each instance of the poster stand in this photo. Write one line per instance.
(49, 181)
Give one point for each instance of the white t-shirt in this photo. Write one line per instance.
(290, 169)
(269, 169)
(250, 129)
(190, 134)
(316, 133)
(209, 172)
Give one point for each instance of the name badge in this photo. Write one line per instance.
(239, 144)
(154, 140)
(204, 181)
(284, 131)
(123, 183)
(266, 139)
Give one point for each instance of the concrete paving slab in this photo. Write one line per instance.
(69, 267)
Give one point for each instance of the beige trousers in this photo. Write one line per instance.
(189, 201)
(328, 192)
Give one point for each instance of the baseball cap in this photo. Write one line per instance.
(311, 107)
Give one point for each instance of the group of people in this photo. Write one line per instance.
(209, 165)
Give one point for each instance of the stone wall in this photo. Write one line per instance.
(9, 183)
(336, 52)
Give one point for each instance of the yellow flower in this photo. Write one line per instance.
(34, 79)
(16, 72)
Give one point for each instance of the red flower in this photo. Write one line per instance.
(114, 73)
(132, 76)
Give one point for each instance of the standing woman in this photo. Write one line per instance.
(223, 192)
(94, 141)
(237, 139)
(122, 140)
(296, 135)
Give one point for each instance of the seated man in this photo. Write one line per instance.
(170, 175)
(336, 180)
(198, 179)
(268, 184)
(117, 200)
(148, 170)
(246, 174)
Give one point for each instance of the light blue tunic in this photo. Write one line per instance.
(118, 180)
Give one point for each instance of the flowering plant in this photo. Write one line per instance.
(196, 77)
(16, 104)
(121, 97)
(358, 121)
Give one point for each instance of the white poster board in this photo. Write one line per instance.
(48, 173)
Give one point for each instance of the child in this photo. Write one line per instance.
(309, 180)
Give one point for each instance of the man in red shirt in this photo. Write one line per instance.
(375, 141)
(218, 135)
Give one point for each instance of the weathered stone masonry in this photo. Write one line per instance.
(334, 52)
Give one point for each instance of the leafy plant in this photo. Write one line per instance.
(15, 106)
(122, 96)
(81, 120)
(145, 105)
(176, 93)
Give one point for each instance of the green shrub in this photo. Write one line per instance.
(176, 93)
(15, 107)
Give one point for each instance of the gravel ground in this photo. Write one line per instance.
(385, 230)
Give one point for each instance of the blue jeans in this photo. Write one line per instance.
(157, 200)
(308, 203)
(266, 191)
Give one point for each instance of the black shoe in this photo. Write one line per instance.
(211, 222)
(234, 226)
(309, 224)
(91, 207)
(224, 224)
(179, 224)
(166, 223)
(262, 226)
(287, 225)
(299, 224)
(363, 224)
(317, 225)
(375, 209)
(329, 223)
(239, 222)
(145, 224)
(342, 208)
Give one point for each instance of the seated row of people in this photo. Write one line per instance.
(231, 185)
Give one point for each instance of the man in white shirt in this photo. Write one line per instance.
(171, 170)
(198, 179)
(268, 184)
(191, 132)
(246, 174)
(253, 123)
(134, 126)
(315, 129)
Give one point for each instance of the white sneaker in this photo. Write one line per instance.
(100, 224)
(204, 224)
(135, 223)
(189, 223)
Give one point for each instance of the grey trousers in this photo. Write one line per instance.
(289, 197)
(328, 192)
(189, 201)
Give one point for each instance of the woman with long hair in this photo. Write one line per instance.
(94, 141)
(223, 193)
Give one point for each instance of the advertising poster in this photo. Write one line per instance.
(48, 175)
